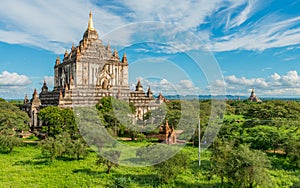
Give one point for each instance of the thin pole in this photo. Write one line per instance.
(199, 142)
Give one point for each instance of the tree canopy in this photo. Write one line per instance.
(57, 121)
(12, 122)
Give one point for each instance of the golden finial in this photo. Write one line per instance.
(91, 25)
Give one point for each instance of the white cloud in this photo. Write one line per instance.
(51, 25)
(187, 13)
(59, 24)
(266, 33)
(15, 92)
(187, 84)
(186, 87)
(275, 76)
(244, 15)
(49, 81)
(287, 84)
(13, 79)
(291, 79)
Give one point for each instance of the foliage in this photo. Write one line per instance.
(109, 159)
(141, 137)
(63, 145)
(296, 184)
(122, 182)
(264, 137)
(12, 117)
(27, 161)
(9, 140)
(240, 165)
(270, 125)
(12, 121)
(58, 120)
(220, 154)
(155, 117)
(248, 168)
(292, 149)
(117, 116)
(153, 154)
(53, 147)
(168, 170)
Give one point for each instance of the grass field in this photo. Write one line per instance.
(27, 167)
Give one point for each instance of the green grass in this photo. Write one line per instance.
(27, 167)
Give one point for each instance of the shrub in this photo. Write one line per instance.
(170, 169)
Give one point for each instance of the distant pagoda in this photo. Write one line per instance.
(253, 97)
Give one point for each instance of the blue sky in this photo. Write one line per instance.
(185, 47)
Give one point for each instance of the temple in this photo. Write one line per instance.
(253, 97)
(87, 73)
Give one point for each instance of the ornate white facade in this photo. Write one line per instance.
(87, 73)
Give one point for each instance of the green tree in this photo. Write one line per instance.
(221, 152)
(117, 116)
(57, 121)
(52, 147)
(12, 117)
(12, 122)
(52, 119)
(9, 139)
(247, 168)
(264, 137)
(76, 149)
(63, 145)
(292, 147)
(109, 159)
(241, 166)
(168, 170)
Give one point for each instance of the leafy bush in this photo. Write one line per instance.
(170, 169)
(121, 182)
(109, 159)
(240, 165)
(141, 137)
(9, 140)
(63, 145)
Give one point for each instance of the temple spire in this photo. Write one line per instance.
(45, 87)
(66, 53)
(115, 53)
(149, 93)
(90, 24)
(139, 86)
(26, 100)
(57, 62)
(253, 97)
(124, 59)
(35, 94)
(108, 47)
(73, 47)
(90, 32)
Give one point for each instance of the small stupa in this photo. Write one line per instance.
(253, 97)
